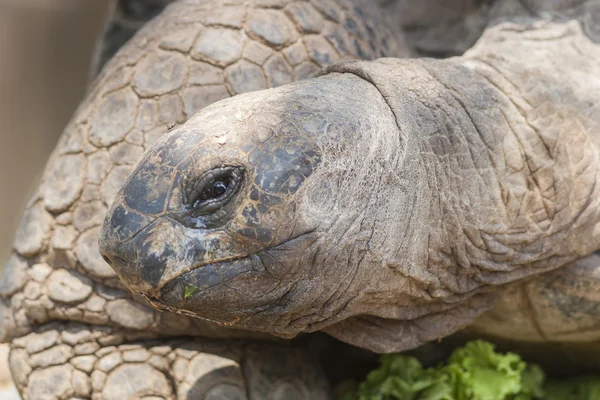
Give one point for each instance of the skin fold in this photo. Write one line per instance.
(387, 203)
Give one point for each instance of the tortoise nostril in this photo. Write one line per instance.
(121, 260)
(114, 259)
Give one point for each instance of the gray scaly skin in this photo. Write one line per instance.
(560, 308)
(386, 203)
(72, 324)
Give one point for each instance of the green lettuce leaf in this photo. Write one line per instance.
(473, 372)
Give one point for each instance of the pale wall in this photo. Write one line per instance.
(45, 48)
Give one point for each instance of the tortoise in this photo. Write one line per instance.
(297, 161)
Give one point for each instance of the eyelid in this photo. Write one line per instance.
(193, 190)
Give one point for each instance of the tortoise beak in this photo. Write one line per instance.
(152, 255)
(126, 260)
(147, 252)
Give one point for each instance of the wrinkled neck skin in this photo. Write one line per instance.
(492, 177)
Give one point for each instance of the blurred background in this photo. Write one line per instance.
(45, 53)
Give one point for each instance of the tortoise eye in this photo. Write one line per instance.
(213, 190)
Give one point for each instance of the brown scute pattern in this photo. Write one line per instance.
(188, 58)
(65, 361)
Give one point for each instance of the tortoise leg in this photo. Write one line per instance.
(73, 360)
(561, 307)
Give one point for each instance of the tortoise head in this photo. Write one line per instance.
(222, 218)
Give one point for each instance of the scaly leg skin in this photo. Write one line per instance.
(78, 361)
(194, 53)
(553, 319)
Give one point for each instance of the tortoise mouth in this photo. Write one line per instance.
(164, 297)
(221, 292)
(227, 291)
(203, 276)
(201, 264)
